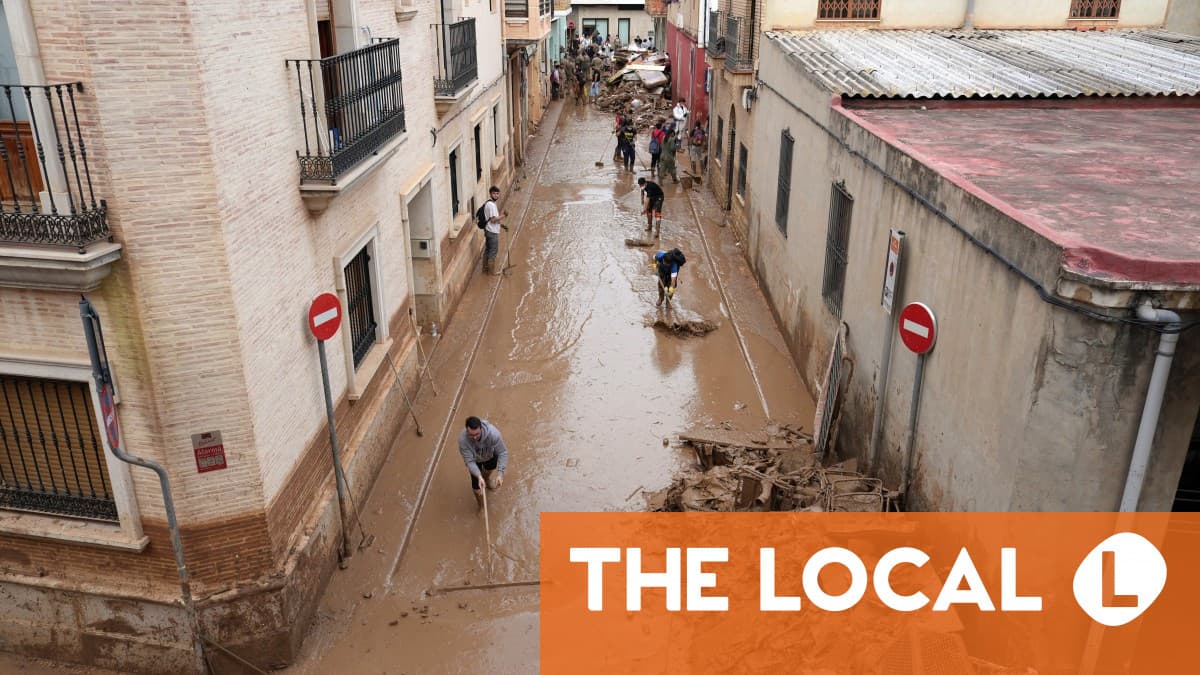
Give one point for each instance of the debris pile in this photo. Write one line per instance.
(775, 470)
(640, 243)
(638, 89)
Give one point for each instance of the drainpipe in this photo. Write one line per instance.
(1154, 398)
(969, 18)
(100, 372)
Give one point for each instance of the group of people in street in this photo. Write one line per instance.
(580, 71)
(666, 139)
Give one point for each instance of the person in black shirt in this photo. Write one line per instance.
(652, 203)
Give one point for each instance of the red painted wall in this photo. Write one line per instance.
(688, 71)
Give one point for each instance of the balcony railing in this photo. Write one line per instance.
(739, 45)
(517, 9)
(350, 106)
(716, 33)
(458, 63)
(46, 194)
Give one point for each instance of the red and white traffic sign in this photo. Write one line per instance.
(918, 327)
(112, 428)
(324, 316)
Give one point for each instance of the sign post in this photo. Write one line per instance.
(324, 318)
(918, 332)
(891, 273)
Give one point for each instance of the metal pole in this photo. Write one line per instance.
(100, 373)
(885, 361)
(339, 479)
(912, 423)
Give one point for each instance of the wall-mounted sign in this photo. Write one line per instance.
(210, 451)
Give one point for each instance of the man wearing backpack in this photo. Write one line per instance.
(487, 218)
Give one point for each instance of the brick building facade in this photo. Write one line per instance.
(206, 241)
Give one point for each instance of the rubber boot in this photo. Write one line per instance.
(487, 265)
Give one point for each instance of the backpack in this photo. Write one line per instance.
(481, 218)
(654, 145)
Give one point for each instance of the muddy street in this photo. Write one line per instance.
(561, 354)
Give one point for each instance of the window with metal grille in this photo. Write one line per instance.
(51, 455)
(478, 152)
(837, 245)
(454, 181)
(360, 305)
(720, 137)
(742, 159)
(516, 8)
(783, 192)
(848, 9)
(1095, 9)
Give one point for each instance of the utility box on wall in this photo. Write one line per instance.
(422, 248)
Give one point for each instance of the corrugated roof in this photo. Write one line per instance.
(997, 63)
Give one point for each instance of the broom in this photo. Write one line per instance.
(601, 162)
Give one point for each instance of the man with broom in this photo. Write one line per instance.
(482, 449)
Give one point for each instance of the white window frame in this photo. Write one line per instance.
(357, 380)
(126, 534)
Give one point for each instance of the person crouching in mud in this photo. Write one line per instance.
(482, 449)
(667, 265)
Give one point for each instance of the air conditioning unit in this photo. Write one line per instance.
(421, 248)
(748, 97)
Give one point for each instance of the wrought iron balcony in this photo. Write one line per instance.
(716, 33)
(739, 45)
(351, 105)
(46, 193)
(458, 60)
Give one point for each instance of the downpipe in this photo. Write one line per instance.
(1154, 399)
(94, 335)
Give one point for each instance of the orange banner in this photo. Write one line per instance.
(984, 593)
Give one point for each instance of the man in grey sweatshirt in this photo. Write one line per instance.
(482, 449)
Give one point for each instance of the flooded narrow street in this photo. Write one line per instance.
(559, 354)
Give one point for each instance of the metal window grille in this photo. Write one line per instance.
(848, 9)
(478, 152)
(38, 123)
(360, 305)
(458, 58)
(516, 8)
(1095, 9)
(837, 245)
(350, 105)
(51, 455)
(720, 137)
(454, 181)
(783, 192)
(739, 44)
(743, 157)
(717, 25)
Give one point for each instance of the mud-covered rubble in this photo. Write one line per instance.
(773, 470)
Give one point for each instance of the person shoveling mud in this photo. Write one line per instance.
(483, 450)
(666, 267)
(776, 470)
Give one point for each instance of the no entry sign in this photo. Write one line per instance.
(324, 316)
(918, 328)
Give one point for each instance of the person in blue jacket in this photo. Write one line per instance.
(667, 265)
